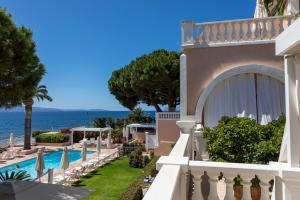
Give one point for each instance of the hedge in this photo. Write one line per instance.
(134, 191)
(52, 138)
(38, 132)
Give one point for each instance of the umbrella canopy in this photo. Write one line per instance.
(98, 146)
(83, 152)
(30, 190)
(65, 159)
(40, 165)
(11, 140)
(260, 10)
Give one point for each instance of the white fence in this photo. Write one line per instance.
(167, 115)
(233, 31)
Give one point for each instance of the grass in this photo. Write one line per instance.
(110, 181)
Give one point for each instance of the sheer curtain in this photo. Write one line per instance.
(233, 97)
(246, 95)
(270, 99)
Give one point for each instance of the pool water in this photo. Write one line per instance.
(51, 160)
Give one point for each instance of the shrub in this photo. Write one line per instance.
(136, 158)
(52, 138)
(129, 147)
(134, 191)
(38, 132)
(242, 140)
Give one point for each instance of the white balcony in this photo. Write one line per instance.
(233, 32)
(168, 115)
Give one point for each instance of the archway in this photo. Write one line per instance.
(246, 81)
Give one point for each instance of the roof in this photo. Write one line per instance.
(91, 129)
(141, 125)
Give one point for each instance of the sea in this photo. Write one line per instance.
(13, 122)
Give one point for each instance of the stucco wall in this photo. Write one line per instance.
(168, 134)
(204, 64)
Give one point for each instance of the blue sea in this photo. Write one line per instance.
(13, 122)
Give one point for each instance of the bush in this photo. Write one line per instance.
(38, 132)
(52, 138)
(134, 191)
(136, 158)
(242, 140)
(129, 147)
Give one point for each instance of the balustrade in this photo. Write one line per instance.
(234, 32)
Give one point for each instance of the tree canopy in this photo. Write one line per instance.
(152, 79)
(20, 67)
(242, 140)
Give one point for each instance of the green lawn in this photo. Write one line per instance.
(110, 181)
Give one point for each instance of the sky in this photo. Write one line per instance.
(81, 42)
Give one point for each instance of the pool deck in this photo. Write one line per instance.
(57, 172)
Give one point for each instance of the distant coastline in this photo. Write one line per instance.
(43, 109)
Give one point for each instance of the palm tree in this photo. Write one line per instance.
(41, 94)
(20, 175)
(275, 7)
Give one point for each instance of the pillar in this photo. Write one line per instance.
(146, 141)
(187, 127)
(183, 87)
(109, 140)
(292, 80)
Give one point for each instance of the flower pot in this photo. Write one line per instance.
(255, 193)
(238, 192)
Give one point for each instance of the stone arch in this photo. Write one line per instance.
(253, 68)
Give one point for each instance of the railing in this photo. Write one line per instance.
(171, 181)
(233, 32)
(206, 183)
(168, 115)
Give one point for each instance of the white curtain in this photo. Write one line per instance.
(270, 99)
(233, 97)
(237, 95)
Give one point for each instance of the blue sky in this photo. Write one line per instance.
(82, 41)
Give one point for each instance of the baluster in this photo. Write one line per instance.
(257, 30)
(197, 193)
(246, 188)
(208, 34)
(217, 33)
(233, 34)
(229, 32)
(249, 33)
(205, 186)
(281, 28)
(214, 28)
(225, 32)
(242, 32)
(272, 28)
(264, 29)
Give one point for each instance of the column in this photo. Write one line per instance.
(109, 140)
(183, 87)
(292, 78)
(146, 141)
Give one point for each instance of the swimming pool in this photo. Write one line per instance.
(52, 160)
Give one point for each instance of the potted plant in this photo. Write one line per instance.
(255, 188)
(238, 187)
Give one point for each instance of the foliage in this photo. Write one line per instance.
(237, 180)
(20, 175)
(20, 67)
(130, 147)
(138, 115)
(152, 79)
(136, 158)
(134, 190)
(38, 132)
(275, 7)
(255, 181)
(242, 140)
(52, 138)
(102, 122)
